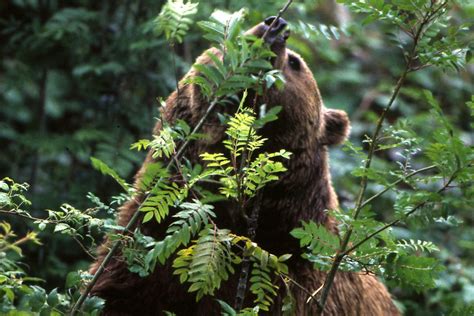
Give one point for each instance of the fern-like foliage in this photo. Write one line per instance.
(309, 30)
(135, 250)
(265, 265)
(189, 222)
(316, 238)
(106, 170)
(242, 134)
(242, 137)
(263, 170)
(383, 256)
(162, 145)
(211, 258)
(261, 256)
(175, 19)
(206, 263)
(322, 245)
(162, 196)
(262, 287)
(405, 14)
(417, 245)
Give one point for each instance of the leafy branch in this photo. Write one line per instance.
(432, 13)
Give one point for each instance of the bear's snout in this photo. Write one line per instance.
(279, 25)
(275, 32)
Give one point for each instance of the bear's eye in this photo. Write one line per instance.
(294, 62)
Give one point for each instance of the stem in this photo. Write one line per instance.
(244, 272)
(137, 214)
(28, 216)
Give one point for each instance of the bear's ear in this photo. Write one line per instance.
(336, 127)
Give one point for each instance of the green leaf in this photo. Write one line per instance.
(417, 245)
(73, 279)
(106, 170)
(206, 263)
(141, 144)
(227, 310)
(53, 298)
(4, 199)
(284, 257)
(233, 24)
(148, 216)
(62, 227)
(320, 242)
(9, 293)
(4, 186)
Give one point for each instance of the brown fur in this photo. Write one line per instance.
(305, 127)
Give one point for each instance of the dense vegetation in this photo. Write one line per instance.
(84, 79)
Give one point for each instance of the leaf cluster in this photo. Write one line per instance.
(175, 19)
(255, 173)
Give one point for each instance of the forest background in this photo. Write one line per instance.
(81, 79)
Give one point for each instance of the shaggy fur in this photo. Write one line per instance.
(305, 127)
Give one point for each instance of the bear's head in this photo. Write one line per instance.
(303, 123)
(303, 114)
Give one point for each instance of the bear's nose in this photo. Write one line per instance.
(278, 26)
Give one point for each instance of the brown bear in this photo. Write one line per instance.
(304, 192)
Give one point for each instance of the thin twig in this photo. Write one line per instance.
(302, 288)
(393, 184)
(21, 215)
(394, 222)
(84, 248)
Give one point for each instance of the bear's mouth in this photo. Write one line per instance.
(275, 34)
